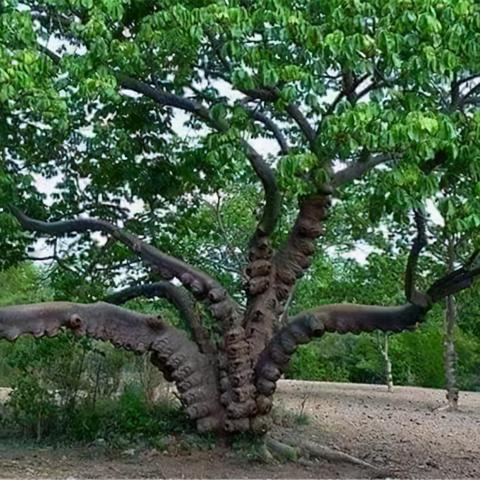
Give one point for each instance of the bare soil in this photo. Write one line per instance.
(406, 433)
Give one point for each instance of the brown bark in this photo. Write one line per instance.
(272, 282)
(251, 358)
(294, 258)
(341, 318)
(205, 288)
(179, 298)
(177, 357)
(230, 388)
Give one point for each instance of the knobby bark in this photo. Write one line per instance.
(273, 278)
(199, 283)
(179, 298)
(228, 385)
(239, 371)
(340, 318)
(177, 357)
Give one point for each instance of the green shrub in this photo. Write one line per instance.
(310, 362)
(32, 408)
(33, 411)
(130, 417)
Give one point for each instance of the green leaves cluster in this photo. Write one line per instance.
(370, 77)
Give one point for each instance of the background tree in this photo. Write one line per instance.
(372, 102)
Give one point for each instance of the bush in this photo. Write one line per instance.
(320, 361)
(130, 417)
(34, 412)
(32, 407)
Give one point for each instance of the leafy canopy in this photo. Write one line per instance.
(147, 103)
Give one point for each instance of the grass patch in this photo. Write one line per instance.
(289, 418)
(114, 424)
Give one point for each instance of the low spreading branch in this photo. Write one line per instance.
(340, 318)
(179, 298)
(199, 283)
(344, 318)
(177, 357)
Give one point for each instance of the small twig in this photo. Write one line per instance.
(223, 230)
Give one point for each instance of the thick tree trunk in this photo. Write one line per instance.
(240, 405)
(450, 355)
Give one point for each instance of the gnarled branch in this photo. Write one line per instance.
(174, 354)
(263, 93)
(222, 306)
(294, 257)
(469, 95)
(349, 86)
(273, 281)
(313, 323)
(343, 318)
(302, 123)
(177, 297)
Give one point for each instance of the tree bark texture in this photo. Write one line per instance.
(227, 385)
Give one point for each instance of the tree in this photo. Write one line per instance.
(372, 102)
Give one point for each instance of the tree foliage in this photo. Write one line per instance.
(205, 129)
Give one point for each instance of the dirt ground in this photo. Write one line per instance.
(404, 432)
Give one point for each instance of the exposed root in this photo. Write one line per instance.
(446, 408)
(305, 452)
(316, 450)
(282, 451)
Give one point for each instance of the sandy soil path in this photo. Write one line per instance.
(404, 432)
